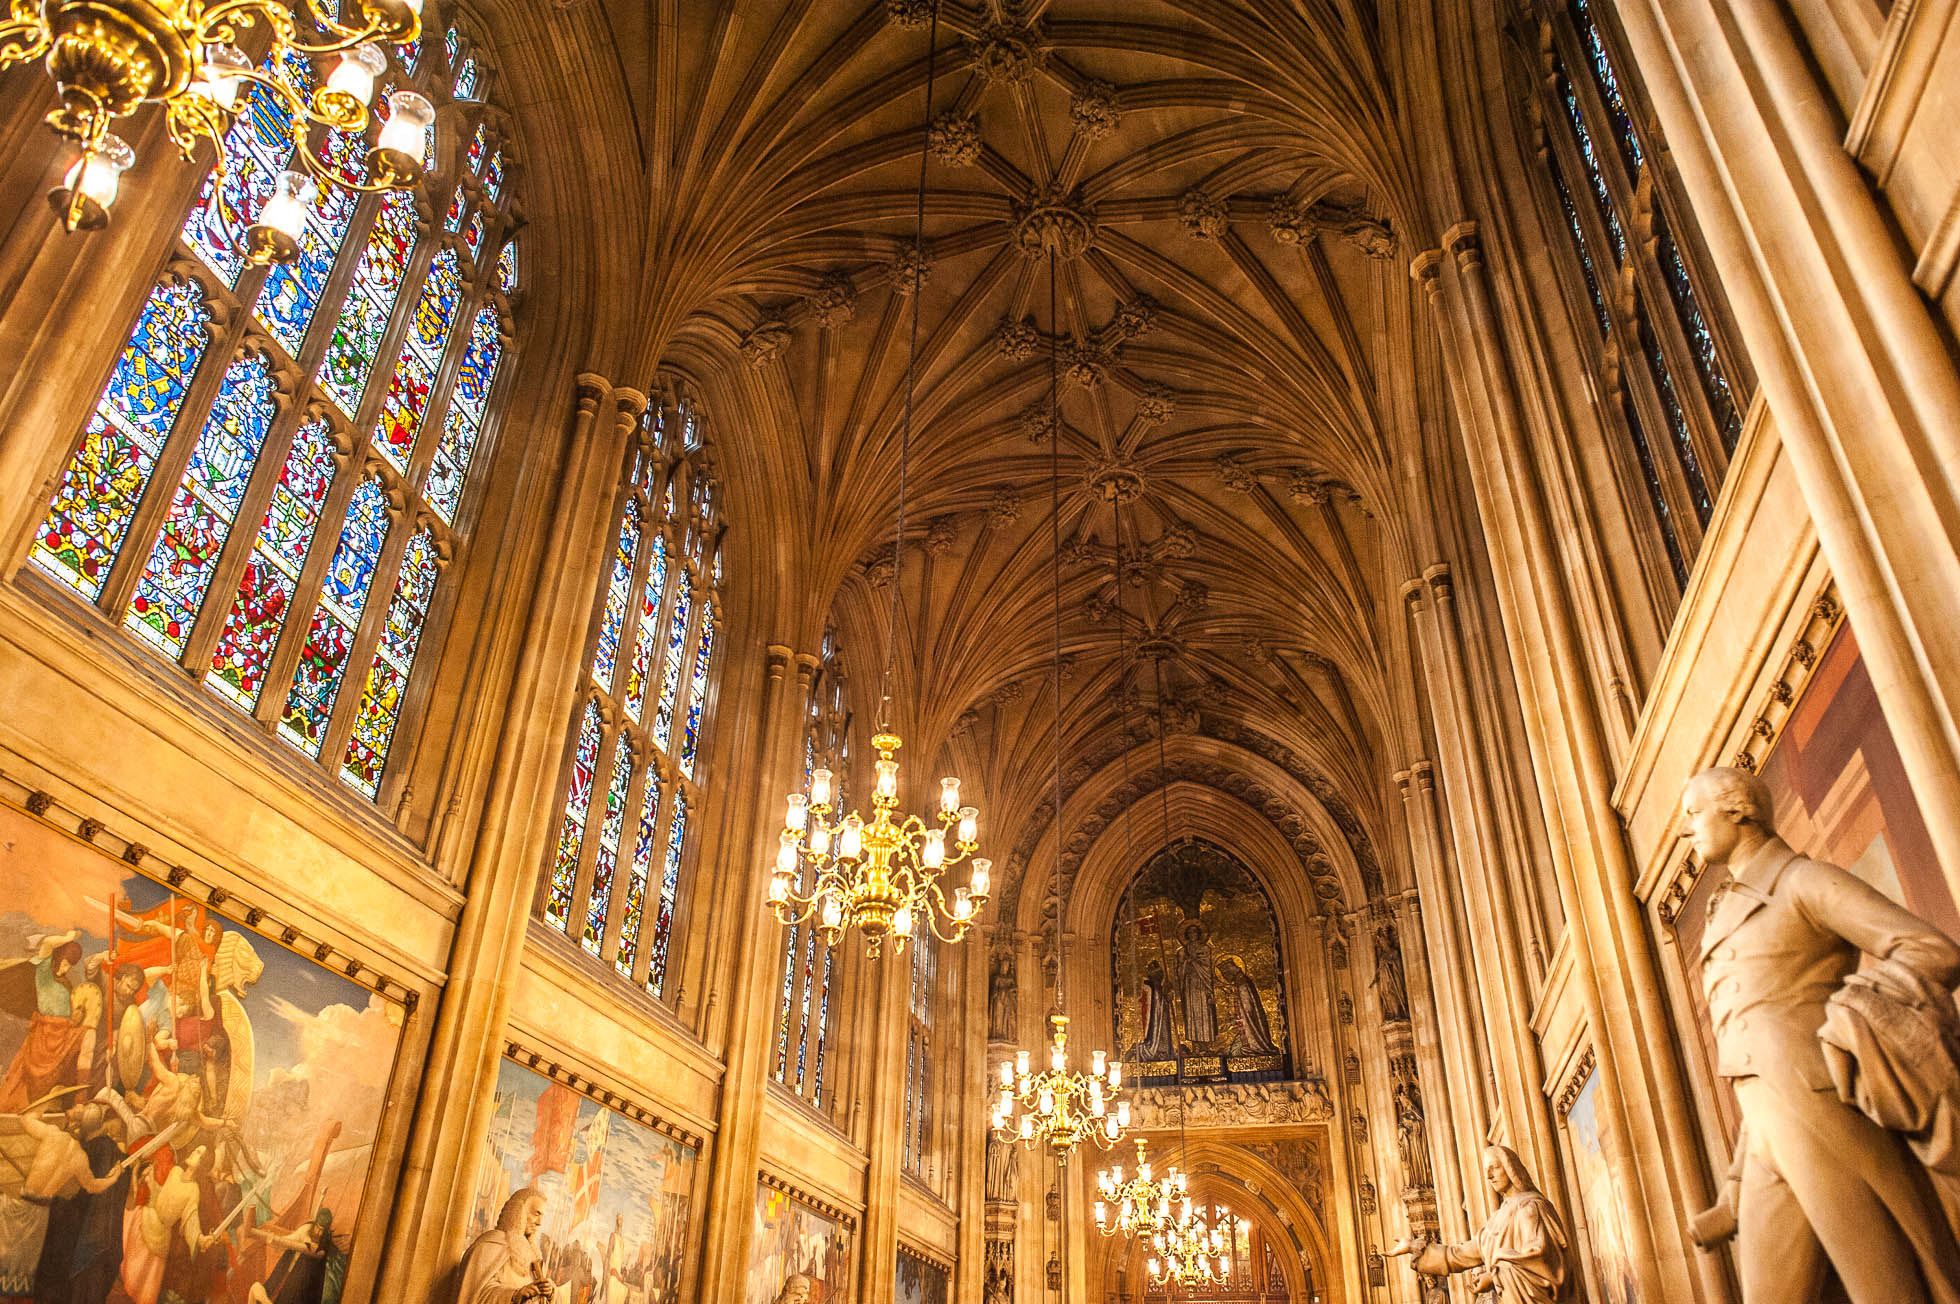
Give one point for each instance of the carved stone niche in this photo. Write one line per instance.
(1232, 1104)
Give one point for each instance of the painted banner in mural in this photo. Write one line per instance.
(1197, 972)
(798, 1255)
(920, 1282)
(1607, 1236)
(617, 1193)
(188, 1110)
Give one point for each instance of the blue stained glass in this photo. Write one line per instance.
(1687, 310)
(407, 399)
(394, 660)
(697, 690)
(330, 635)
(670, 886)
(507, 267)
(605, 859)
(1677, 421)
(1644, 452)
(1573, 224)
(646, 631)
(493, 176)
(462, 425)
(1601, 194)
(786, 1000)
(670, 672)
(571, 829)
(1609, 85)
(479, 146)
(619, 585)
(257, 149)
(459, 207)
(823, 1023)
(809, 985)
(632, 915)
(452, 45)
(108, 474)
(172, 587)
(292, 292)
(473, 237)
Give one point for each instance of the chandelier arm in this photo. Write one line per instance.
(23, 35)
(220, 24)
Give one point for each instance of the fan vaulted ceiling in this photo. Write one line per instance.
(1216, 186)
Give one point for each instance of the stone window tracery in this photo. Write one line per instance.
(919, 1115)
(804, 1003)
(1673, 383)
(612, 881)
(277, 472)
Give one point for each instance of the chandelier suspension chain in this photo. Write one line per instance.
(1055, 532)
(911, 373)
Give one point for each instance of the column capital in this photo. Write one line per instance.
(1463, 239)
(1413, 591)
(628, 404)
(592, 388)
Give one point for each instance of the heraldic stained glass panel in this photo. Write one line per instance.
(670, 674)
(330, 636)
(697, 690)
(251, 630)
(257, 149)
(292, 292)
(463, 423)
(394, 660)
(670, 887)
(619, 585)
(636, 884)
(173, 584)
(407, 400)
(356, 340)
(105, 479)
(648, 629)
(571, 829)
(605, 857)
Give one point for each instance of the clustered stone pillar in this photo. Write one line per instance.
(452, 1113)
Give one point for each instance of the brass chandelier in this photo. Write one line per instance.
(1144, 1203)
(1191, 1253)
(883, 877)
(108, 58)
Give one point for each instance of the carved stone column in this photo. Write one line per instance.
(1642, 1087)
(728, 1221)
(1861, 381)
(453, 1109)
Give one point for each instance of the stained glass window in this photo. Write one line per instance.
(697, 691)
(330, 634)
(257, 149)
(493, 176)
(629, 926)
(171, 589)
(394, 659)
(671, 665)
(104, 481)
(803, 1002)
(507, 267)
(467, 80)
(469, 401)
(356, 341)
(243, 654)
(291, 293)
(571, 827)
(407, 399)
(918, 1067)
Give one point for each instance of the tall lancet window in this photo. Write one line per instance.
(1674, 383)
(633, 773)
(280, 471)
(803, 1007)
(920, 1117)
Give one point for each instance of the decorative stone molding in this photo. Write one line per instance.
(1054, 222)
(1234, 474)
(1156, 405)
(1038, 422)
(1117, 481)
(1235, 1104)
(1092, 111)
(766, 342)
(817, 1202)
(941, 535)
(1004, 508)
(541, 1062)
(909, 270)
(954, 139)
(1134, 317)
(1005, 54)
(1016, 340)
(1084, 366)
(1575, 1082)
(833, 303)
(1203, 215)
(910, 13)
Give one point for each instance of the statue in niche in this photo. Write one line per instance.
(1200, 1002)
(504, 1265)
(1250, 1033)
(1410, 1141)
(1518, 1256)
(1391, 986)
(1003, 1168)
(1828, 1061)
(999, 1285)
(1003, 999)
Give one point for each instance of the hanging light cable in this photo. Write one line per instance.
(1059, 1107)
(883, 876)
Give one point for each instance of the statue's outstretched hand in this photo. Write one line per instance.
(1407, 1245)
(1715, 1224)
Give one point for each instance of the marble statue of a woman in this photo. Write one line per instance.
(1519, 1253)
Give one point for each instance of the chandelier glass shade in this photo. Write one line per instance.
(1190, 1253)
(882, 877)
(108, 58)
(1144, 1203)
(1059, 1107)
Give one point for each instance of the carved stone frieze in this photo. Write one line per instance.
(1236, 1104)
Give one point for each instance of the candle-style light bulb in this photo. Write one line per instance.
(1098, 1063)
(969, 824)
(1123, 1113)
(1115, 1074)
(1021, 1063)
(798, 815)
(887, 778)
(1006, 1074)
(932, 849)
(1027, 1127)
(820, 787)
(981, 882)
(949, 796)
(819, 839)
(397, 158)
(850, 843)
(786, 853)
(350, 86)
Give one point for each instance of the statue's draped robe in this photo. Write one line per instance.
(496, 1268)
(1521, 1251)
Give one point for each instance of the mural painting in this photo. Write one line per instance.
(798, 1256)
(1607, 1235)
(616, 1193)
(920, 1282)
(1197, 972)
(188, 1110)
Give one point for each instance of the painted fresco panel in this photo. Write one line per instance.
(1200, 996)
(1608, 1238)
(207, 1100)
(618, 1195)
(792, 1239)
(919, 1282)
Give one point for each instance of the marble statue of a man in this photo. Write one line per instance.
(1816, 1186)
(503, 1265)
(1518, 1255)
